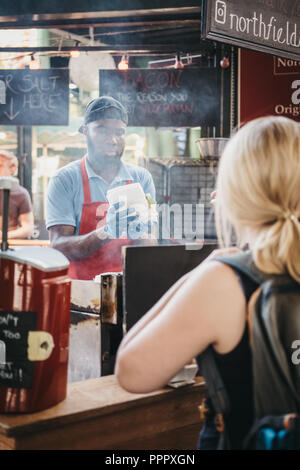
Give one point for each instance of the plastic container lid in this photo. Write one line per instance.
(45, 259)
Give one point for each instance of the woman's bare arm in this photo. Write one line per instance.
(196, 312)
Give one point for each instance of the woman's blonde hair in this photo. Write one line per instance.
(258, 188)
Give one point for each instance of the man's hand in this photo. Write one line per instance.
(117, 220)
(138, 228)
(126, 222)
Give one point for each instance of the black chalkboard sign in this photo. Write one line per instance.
(34, 97)
(271, 26)
(15, 369)
(166, 97)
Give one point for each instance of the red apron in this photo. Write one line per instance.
(107, 258)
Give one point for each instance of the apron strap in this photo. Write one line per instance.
(85, 182)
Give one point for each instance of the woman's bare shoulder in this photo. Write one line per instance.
(213, 269)
(217, 291)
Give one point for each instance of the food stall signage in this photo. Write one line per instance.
(16, 369)
(270, 26)
(34, 97)
(166, 97)
(275, 91)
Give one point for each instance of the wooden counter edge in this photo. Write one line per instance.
(73, 409)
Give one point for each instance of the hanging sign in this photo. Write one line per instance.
(271, 26)
(166, 97)
(268, 86)
(34, 97)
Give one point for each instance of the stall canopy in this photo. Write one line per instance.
(119, 25)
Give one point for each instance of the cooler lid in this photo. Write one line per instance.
(45, 259)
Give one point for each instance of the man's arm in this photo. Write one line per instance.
(26, 228)
(76, 247)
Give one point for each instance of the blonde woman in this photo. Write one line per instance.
(258, 191)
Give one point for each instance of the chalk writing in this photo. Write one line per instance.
(257, 24)
(16, 370)
(10, 335)
(7, 319)
(7, 365)
(2, 92)
(6, 375)
(2, 352)
(166, 97)
(266, 30)
(35, 97)
(152, 79)
(41, 84)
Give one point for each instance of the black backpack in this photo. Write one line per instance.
(274, 327)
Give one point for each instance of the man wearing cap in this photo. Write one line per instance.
(77, 206)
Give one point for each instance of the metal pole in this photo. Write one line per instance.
(4, 243)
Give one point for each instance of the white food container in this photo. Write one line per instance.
(133, 196)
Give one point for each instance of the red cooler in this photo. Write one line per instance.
(34, 328)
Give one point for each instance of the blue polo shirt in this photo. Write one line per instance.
(65, 191)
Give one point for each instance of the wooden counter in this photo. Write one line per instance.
(22, 242)
(98, 414)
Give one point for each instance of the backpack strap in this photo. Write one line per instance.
(250, 310)
(217, 393)
(216, 390)
(215, 387)
(243, 263)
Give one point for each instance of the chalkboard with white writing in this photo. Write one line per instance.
(15, 368)
(271, 26)
(166, 97)
(34, 97)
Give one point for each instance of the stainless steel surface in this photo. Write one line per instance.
(85, 296)
(211, 147)
(85, 331)
(183, 181)
(84, 347)
(96, 326)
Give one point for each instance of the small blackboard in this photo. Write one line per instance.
(166, 97)
(16, 370)
(271, 26)
(34, 97)
(149, 271)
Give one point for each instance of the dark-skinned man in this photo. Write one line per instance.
(77, 206)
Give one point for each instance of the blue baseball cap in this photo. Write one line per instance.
(104, 107)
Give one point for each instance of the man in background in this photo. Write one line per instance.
(20, 215)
